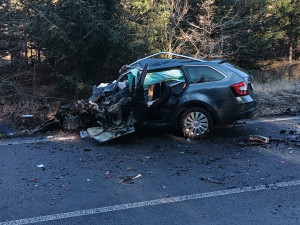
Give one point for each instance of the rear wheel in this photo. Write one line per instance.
(196, 123)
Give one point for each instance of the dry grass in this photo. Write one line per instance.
(278, 86)
(12, 114)
(277, 70)
(17, 100)
(278, 96)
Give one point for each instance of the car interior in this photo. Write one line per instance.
(162, 97)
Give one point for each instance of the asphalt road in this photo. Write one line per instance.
(220, 180)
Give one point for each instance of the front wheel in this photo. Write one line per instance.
(196, 123)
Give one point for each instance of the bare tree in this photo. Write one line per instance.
(177, 11)
(209, 36)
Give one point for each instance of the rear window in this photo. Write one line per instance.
(200, 74)
(236, 69)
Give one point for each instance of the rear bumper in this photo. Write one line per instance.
(244, 110)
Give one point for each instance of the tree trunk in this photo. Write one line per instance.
(12, 57)
(39, 54)
(26, 54)
(291, 52)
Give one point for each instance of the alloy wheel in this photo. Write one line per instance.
(195, 124)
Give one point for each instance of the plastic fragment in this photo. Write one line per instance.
(128, 168)
(84, 134)
(27, 116)
(107, 173)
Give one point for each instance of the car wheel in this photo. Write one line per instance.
(196, 123)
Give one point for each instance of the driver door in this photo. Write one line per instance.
(140, 101)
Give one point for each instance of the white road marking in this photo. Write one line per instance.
(133, 205)
(38, 140)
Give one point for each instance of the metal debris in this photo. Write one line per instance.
(130, 178)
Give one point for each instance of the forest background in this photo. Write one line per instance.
(57, 49)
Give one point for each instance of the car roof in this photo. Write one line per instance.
(155, 64)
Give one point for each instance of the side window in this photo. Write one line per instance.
(164, 76)
(200, 74)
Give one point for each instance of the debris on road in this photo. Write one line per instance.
(108, 175)
(258, 139)
(130, 178)
(128, 168)
(40, 166)
(83, 134)
(33, 180)
(210, 180)
(26, 116)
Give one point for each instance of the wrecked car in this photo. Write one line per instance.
(185, 94)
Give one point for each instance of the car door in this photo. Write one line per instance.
(140, 102)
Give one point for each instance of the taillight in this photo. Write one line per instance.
(240, 89)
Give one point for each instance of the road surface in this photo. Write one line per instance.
(154, 178)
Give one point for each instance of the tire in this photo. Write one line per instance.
(196, 123)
